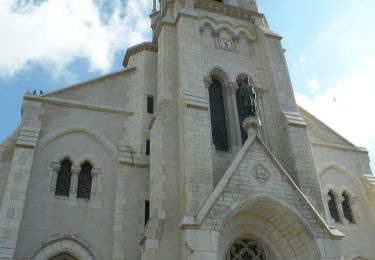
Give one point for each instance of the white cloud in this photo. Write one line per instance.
(348, 107)
(55, 33)
(313, 84)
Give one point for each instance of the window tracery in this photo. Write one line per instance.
(246, 249)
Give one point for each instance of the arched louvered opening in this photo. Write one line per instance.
(84, 181)
(333, 207)
(218, 118)
(63, 178)
(346, 207)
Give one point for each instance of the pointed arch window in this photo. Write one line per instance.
(63, 178)
(218, 118)
(346, 207)
(84, 181)
(332, 206)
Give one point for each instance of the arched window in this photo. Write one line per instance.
(246, 249)
(333, 207)
(346, 208)
(84, 181)
(218, 119)
(63, 178)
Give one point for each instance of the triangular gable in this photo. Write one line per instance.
(255, 169)
(321, 133)
(108, 90)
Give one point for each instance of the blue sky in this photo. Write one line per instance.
(50, 44)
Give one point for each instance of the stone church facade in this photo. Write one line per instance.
(160, 161)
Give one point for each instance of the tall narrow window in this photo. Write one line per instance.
(346, 208)
(147, 211)
(218, 120)
(333, 207)
(150, 104)
(84, 181)
(63, 178)
(148, 147)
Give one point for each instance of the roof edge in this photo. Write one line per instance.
(144, 46)
(86, 82)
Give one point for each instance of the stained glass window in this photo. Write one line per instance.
(63, 178)
(84, 181)
(246, 249)
(218, 120)
(333, 207)
(346, 208)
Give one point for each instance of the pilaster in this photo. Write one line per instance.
(12, 205)
(195, 131)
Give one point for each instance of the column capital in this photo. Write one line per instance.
(232, 87)
(207, 81)
(76, 170)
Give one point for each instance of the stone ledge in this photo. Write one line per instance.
(294, 118)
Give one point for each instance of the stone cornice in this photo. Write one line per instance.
(78, 104)
(227, 10)
(145, 46)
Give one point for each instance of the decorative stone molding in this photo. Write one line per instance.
(207, 81)
(261, 174)
(227, 10)
(145, 46)
(232, 88)
(63, 243)
(79, 105)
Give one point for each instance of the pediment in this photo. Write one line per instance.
(253, 172)
(109, 90)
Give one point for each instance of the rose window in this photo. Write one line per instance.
(246, 249)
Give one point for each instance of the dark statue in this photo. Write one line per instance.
(248, 98)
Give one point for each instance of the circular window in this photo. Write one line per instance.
(246, 249)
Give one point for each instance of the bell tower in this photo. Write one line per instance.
(206, 50)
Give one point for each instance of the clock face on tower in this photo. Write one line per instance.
(225, 44)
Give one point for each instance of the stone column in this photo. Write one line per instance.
(340, 211)
(74, 181)
(232, 89)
